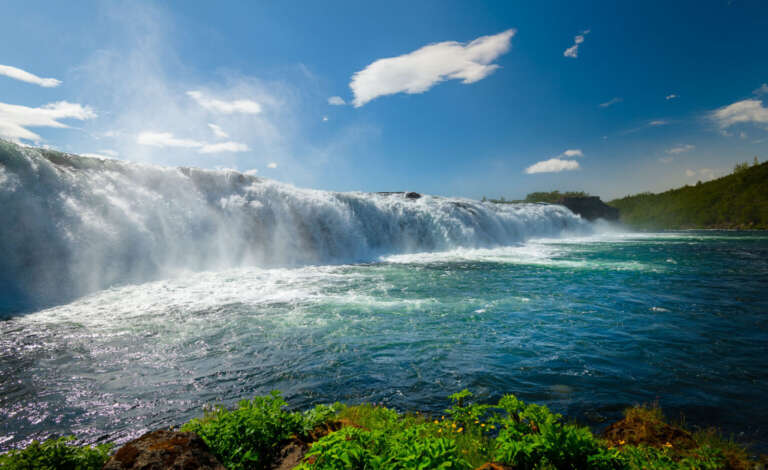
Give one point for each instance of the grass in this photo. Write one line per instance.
(56, 454)
(510, 433)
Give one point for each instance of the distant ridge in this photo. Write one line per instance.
(736, 201)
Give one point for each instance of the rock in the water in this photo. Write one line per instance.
(412, 195)
(164, 449)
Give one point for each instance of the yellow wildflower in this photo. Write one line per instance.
(622, 442)
(453, 425)
(460, 429)
(482, 425)
(437, 422)
(477, 421)
(668, 444)
(492, 426)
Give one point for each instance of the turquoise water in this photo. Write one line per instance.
(587, 326)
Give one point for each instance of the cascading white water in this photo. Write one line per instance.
(71, 225)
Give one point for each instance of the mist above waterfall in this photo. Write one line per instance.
(70, 225)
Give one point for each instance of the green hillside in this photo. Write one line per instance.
(736, 201)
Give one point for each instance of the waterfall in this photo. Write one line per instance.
(70, 225)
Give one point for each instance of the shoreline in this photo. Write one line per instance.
(262, 434)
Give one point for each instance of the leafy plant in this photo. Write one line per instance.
(411, 448)
(251, 435)
(56, 454)
(464, 413)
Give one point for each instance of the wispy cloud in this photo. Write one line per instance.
(141, 82)
(336, 101)
(225, 107)
(611, 102)
(420, 70)
(680, 149)
(658, 122)
(573, 51)
(761, 90)
(218, 131)
(167, 139)
(24, 76)
(557, 164)
(744, 111)
(224, 147)
(572, 153)
(272, 165)
(15, 120)
(671, 96)
(704, 174)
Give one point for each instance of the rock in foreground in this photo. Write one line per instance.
(164, 449)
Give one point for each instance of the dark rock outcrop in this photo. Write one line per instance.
(590, 207)
(406, 194)
(164, 449)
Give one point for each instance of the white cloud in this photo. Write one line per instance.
(666, 159)
(573, 51)
(680, 149)
(252, 172)
(336, 101)
(15, 119)
(744, 111)
(572, 153)
(272, 165)
(420, 70)
(224, 147)
(225, 107)
(166, 139)
(658, 122)
(218, 131)
(671, 96)
(690, 173)
(611, 102)
(762, 90)
(325, 118)
(557, 163)
(25, 76)
(553, 165)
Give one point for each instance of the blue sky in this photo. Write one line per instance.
(450, 98)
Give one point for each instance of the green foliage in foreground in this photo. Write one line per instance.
(56, 454)
(511, 432)
(739, 200)
(251, 435)
(523, 436)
